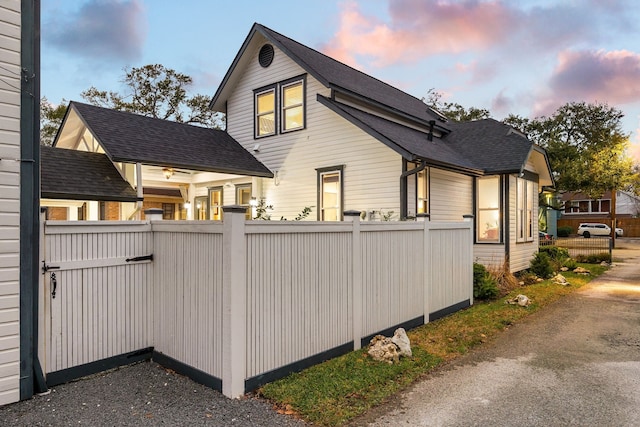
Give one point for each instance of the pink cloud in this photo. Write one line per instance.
(592, 76)
(609, 76)
(417, 29)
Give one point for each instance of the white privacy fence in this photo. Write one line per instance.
(240, 303)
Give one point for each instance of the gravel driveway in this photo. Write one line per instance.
(144, 394)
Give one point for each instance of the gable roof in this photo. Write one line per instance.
(333, 74)
(476, 147)
(411, 143)
(132, 138)
(80, 175)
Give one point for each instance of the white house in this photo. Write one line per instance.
(337, 139)
(304, 130)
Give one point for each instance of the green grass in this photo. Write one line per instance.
(341, 389)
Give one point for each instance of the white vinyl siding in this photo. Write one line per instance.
(10, 202)
(371, 170)
(451, 195)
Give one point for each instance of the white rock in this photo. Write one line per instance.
(401, 339)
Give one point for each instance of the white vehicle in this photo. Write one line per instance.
(588, 229)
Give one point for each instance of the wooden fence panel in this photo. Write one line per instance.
(188, 294)
(298, 295)
(393, 276)
(450, 264)
(101, 306)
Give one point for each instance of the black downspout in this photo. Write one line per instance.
(403, 188)
(432, 123)
(31, 376)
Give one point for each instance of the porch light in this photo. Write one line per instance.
(253, 202)
(167, 172)
(187, 205)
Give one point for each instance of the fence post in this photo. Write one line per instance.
(425, 218)
(356, 277)
(469, 219)
(234, 295)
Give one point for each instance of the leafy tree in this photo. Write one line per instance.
(50, 119)
(586, 146)
(454, 111)
(156, 91)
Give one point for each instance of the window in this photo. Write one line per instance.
(215, 203)
(524, 210)
(200, 212)
(422, 193)
(292, 106)
(168, 211)
(330, 194)
(266, 112)
(599, 206)
(243, 198)
(488, 227)
(283, 102)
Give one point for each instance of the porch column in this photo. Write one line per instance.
(139, 191)
(234, 296)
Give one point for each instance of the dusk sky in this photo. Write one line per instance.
(521, 57)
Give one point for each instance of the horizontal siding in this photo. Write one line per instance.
(371, 170)
(9, 201)
(451, 195)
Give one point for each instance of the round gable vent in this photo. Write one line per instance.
(265, 57)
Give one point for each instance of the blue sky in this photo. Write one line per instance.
(521, 57)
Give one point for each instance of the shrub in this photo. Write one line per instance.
(594, 258)
(541, 265)
(564, 231)
(570, 263)
(557, 256)
(484, 286)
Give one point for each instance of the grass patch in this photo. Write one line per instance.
(339, 390)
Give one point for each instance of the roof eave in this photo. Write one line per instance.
(264, 173)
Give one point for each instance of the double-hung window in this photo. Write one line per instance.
(292, 106)
(422, 193)
(330, 194)
(524, 210)
(266, 112)
(488, 226)
(243, 198)
(280, 107)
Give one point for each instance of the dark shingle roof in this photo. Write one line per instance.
(337, 75)
(411, 143)
(132, 138)
(80, 175)
(491, 145)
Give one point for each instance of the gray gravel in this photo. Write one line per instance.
(144, 394)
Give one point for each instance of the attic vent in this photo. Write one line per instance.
(265, 57)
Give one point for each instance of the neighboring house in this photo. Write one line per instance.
(338, 139)
(579, 206)
(187, 171)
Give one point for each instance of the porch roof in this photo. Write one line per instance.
(80, 175)
(132, 138)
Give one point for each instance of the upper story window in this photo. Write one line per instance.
(599, 206)
(292, 106)
(266, 112)
(282, 102)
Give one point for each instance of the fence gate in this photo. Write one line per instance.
(95, 293)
